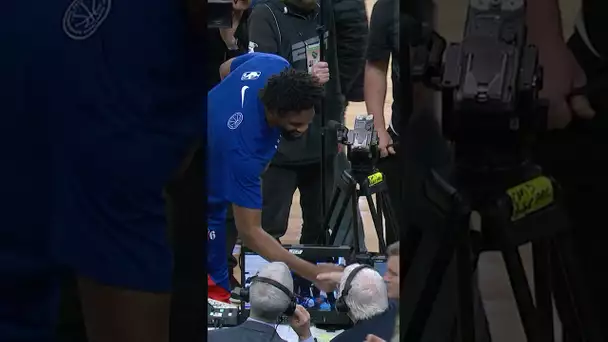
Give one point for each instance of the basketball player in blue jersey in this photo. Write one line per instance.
(259, 101)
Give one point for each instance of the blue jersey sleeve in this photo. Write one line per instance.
(244, 181)
(238, 61)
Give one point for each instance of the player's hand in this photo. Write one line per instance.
(330, 279)
(321, 71)
(300, 322)
(562, 74)
(373, 338)
(327, 276)
(385, 143)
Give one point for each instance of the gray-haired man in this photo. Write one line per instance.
(268, 304)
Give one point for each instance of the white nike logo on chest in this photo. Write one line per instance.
(243, 90)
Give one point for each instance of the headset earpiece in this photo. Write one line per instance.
(341, 305)
(244, 294)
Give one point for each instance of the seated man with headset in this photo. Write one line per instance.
(363, 295)
(271, 296)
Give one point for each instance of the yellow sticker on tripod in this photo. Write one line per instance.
(530, 197)
(375, 178)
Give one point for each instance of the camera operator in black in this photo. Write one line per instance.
(384, 43)
(575, 154)
(289, 28)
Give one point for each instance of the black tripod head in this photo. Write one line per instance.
(361, 143)
(219, 13)
(490, 84)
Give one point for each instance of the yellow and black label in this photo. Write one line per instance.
(375, 179)
(530, 197)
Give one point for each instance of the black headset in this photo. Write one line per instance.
(341, 305)
(291, 308)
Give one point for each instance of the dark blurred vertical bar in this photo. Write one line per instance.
(185, 198)
(406, 107)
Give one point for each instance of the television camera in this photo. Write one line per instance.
(492, 115)
(361, 142)
(362, 179)
(219, 13)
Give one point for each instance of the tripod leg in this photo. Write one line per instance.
(327, 219)
(571, 300)
(423, 280)
(464, 255)
(332, 207)
(542, 288)
(379, 206)
(564, 300)
(355, 206)
(389, 211)
(521, 291)
(377, 223)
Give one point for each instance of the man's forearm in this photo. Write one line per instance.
(375, 93)
(543, 18)
(265, 245)
(225, 68)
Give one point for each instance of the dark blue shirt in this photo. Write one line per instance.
(128, 92)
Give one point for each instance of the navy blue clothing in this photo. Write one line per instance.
(131, 100)
(240, 145)
(382, 325)
(29, 278)
(101, 102)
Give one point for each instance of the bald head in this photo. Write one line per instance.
(268, 302)
(367, 296)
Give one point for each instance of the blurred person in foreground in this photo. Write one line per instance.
(260, 101)
(575, 78)
(363, 291)
(111, 101)
(268, 304)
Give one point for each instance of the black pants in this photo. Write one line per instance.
(278, 186)
(577, 158)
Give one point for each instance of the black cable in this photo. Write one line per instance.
(280, 320)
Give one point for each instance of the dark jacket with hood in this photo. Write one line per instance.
(282, 28)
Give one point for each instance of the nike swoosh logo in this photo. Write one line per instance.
(243, 90)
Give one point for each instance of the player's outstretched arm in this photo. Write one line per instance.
(248, 223)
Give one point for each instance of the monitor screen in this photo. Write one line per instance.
(306, 293)
(380, 266)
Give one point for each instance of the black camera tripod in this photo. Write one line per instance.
(512, 215)
(351, 186)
